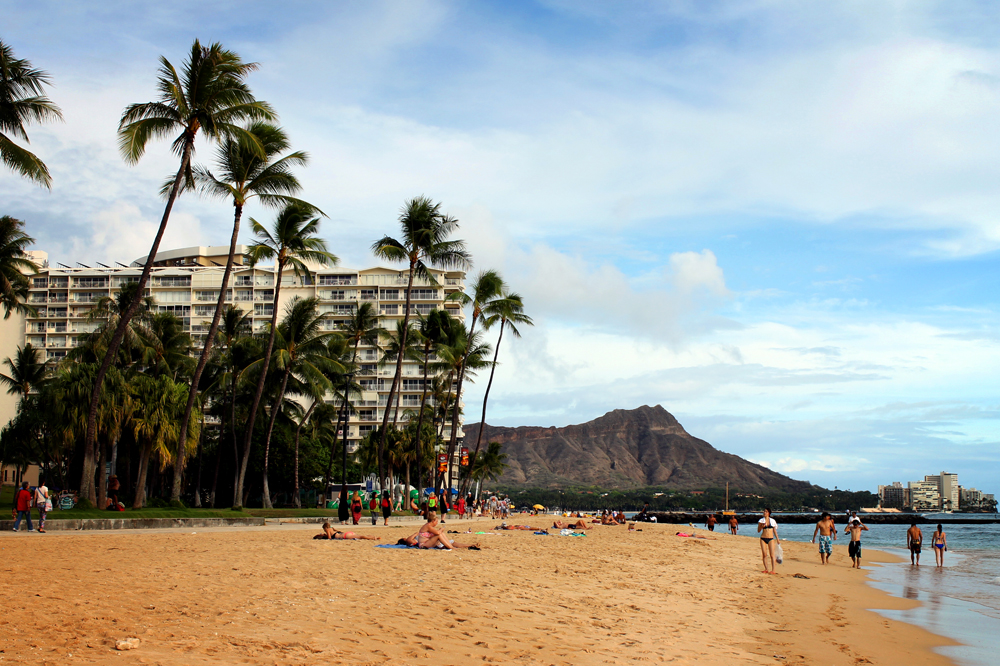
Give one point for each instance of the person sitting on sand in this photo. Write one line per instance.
(330, 533)
(432, 536)
(578, 525)
(413, 541)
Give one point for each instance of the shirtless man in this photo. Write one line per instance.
(710, 522)
(827, 531)
(330, 533)
(914, 539)
(734, 525)
(854, 548)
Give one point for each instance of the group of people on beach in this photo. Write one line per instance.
(826, 530)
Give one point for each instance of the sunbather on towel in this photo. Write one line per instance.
(526, 528)
(432, 536)
(330, 533)
(578, 525)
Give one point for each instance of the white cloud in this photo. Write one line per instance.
(121, 233)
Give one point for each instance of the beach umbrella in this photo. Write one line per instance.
(538, 506)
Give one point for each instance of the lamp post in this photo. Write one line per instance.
(345, 413)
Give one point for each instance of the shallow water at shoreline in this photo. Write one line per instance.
(960, 600)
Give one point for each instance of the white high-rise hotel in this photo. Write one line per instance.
(187, 281)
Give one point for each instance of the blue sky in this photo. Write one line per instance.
(778, 220)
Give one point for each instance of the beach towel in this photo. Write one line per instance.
(396, 545)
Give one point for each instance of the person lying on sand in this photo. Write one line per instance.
(413, 541)
(527, 528)
(330, 533)
(578, 525)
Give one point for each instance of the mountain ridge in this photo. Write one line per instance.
(624, 448)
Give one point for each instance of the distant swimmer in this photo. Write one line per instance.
(940, 541)
(827, 531)
(734, 525)
(854, 548)
(768, 529)
(914, 539)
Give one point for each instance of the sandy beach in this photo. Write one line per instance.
(271, 595)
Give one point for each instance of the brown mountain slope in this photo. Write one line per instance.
(624, 449)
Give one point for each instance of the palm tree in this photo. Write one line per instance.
(292, 242)
(27, 372)
(234, 329)
(22, 101)
(491, 465)
(14, 265)
(473, 358)
(487, 286)
(434, 329)
(301, 349)
(404, 332)
(158, 404)
(424, 242)
(243, 175)
(361, 328)
(138, 341)
(508, 311)
(169, 354)
(210, 95)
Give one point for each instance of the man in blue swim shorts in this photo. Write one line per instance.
(827, 531)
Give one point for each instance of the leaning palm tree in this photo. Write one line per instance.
(27, 372)
(300, 349)
(291, 242)
(491, 465)
(424, 242)
(15, 265)
(243, 174)
(22, 101)
(434, 330)
(486, 287)
(361, 329)
(472, 359)
(404, 333)
(508, 312)
(210, 95)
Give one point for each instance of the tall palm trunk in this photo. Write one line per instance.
(270, 429)
(252, 417)
(175, 493)
(458, 399)
(201, 461)
(87, 490)
(298, 431)
(215, 474)
(399, 371)
(336, 431)
(140, 483)
(420, 422)
(482, 420)
(102, 484)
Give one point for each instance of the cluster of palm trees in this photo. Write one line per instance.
(138, 391)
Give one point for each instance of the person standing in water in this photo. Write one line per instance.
(939, 539)
(768, 529)
(914, 538)
(710, 522)
(734, 525)
(854, 548)
(827, 531)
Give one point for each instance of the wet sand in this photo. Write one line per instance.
(271, 595)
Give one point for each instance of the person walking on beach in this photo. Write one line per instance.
(710, 522)
(386, 506)
(734, 525)
(768, 529)
(43, 503)
(357, 506)
(914, 538)
(460, 507)
(827, 531)
(854, 548)
(22, 507)
(939, 540)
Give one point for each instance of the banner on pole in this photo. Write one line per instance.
(442, 463)
(465, 457)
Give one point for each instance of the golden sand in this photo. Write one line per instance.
(274, 596)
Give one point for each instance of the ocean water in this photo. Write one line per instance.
(960, 600)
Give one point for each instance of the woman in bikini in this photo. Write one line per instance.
(768, 529)
(940, 542)
(330, 533)
(432, 536)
